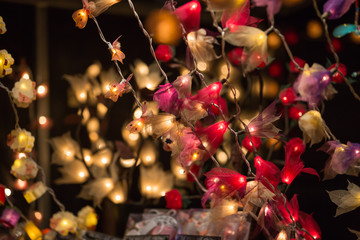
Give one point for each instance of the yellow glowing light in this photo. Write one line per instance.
(64, 222)
(94, 136)
(42, 120)
(21, 155)
(108, 184)
(101, 110)
(274, 41)
(282, 235)
(223, 187)
(127, 163)
(38, 216)
(221, 157)
(314, 29)
(17, 163)
(195, 156)
(81, 174)
(202, 66)
(93, 125)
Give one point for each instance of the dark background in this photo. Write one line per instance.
(72, 50)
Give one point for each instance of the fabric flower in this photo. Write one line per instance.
(137, 124)
(248, 144)
(256, 194)
(312, 84)
(63, 223)
(24, 92)
(2, 26)
(262, 126)
(292, 168)
(65, 149)
(343, 156)
(238, 14)
(87, 218)
(313, 127)
(93, 8)
(222, 183)
(173, 199)
(116, 90)
(24, 168)
(287, 96)
(182, 84)
(164, 53)
(96, 190)
(307, 222)
(158, 125)
(272, 7)
(293, 207)
(6, 60)
(167, 98)
(268, 170)
(74, 172)
(201, 46)
(189, 15)
(146, 76)
(346, 200)
(296, 111)
(294, 149)
(20, 140)
(337, 8)
(254, 42)
(117, 54)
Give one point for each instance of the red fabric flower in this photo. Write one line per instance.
(287, 96)
(2, 195)
(173, 199)
(246, 143)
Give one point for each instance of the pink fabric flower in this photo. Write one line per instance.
(167, 98)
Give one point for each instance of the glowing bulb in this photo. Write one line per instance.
(137, 113)
(202, 66)
(81, 174)
(21, 155)
(133, 136)
(108, 184)
(26, 76)
(42, 120)
(118, 198)
(357, 151)
(195, 156)
(104, 160)
(148, 188)
(7, 192)
(94, 136)
(182, 171)
(38, 216)
(20, 184)
(223, 187)
(64, 222)
(42, 90)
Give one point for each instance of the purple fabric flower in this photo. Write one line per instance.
(273, 6)
(262, 126)
(167, 98)
(312, 84)
(337, 8)
(342, 156)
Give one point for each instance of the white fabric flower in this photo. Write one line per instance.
(24, 168)
(201, 46)
(65, 149)
(64, 223)
(313, 127)
(24, 92)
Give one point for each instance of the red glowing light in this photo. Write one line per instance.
(287, 96)
(336, 77)
(189, 15)
(246, 143)
(296, 111)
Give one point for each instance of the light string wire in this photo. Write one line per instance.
(17, 126)
(43, 176)
(115, 62)
(147, 35)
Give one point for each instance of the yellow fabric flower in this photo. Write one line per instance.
(313, 127)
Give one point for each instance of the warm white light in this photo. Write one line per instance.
(20, 184)
(42, 90)
(101, 110)
(7, 192)
(94, 136)
(38, 215)
(42, 120)
(26, 76)
(93, 125)
(202, 66)
(137, 113)
(105, 160)
(21, 155)
(221, 157)
(81, 174)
